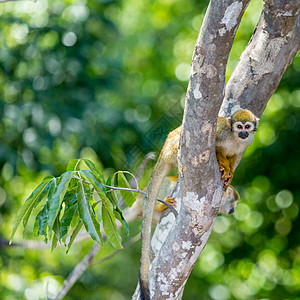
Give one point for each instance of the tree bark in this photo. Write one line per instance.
(270, 51)
(177, 243)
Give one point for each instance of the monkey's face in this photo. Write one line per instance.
(229, 201)
(244, 131)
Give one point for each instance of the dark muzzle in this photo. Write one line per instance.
(243, 134)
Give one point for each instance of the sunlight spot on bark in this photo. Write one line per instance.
(209, 70)
(230, 17)
(192, 202)
(197, 94)
(186, 245)
(184, 254)
(208, 128)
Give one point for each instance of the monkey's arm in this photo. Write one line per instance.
(232, 161)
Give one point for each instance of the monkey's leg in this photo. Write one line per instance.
(224, 165)
(231, 161)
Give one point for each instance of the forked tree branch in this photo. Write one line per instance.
(254, 80)
(270, 51)
(200, 186)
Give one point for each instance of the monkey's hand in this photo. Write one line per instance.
(160, 206)
(227, 182)
(227, 175)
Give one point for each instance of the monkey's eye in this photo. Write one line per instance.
(239, 126)
(247, 126)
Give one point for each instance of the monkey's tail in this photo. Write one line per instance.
(159, 173)
(144, 289)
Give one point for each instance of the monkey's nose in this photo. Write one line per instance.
(231, 211)
(243, 134)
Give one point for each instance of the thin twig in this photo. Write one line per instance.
(174, 211)
(122, 189)
(78, 271)
(87, 182)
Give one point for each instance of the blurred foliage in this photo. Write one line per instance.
(106, 80)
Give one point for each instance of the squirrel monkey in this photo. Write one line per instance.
(233, 136)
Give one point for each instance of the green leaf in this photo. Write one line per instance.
(39, 199)
(27, 207)
(87, 215)
(109, 225)
(113, 194)
(52, 188)
(109, 179)
(119, 215)
(112, 212)
(42, 221)
(35, 230)
(94, 169)
(73, 165)
(75, 219)
(56, 227)
(127, 196)
(74, 234)
(93, 179)
(54, 242)
(67, 219)
(70, 199)
(47, 178)
(73, 184)
(57, 197)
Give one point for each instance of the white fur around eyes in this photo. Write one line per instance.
(251, 126)
(238, 124)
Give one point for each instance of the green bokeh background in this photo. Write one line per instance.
(106, 80)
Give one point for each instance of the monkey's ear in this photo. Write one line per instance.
(256, 123)
(229, 122)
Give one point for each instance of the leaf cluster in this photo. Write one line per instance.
(79, 197)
